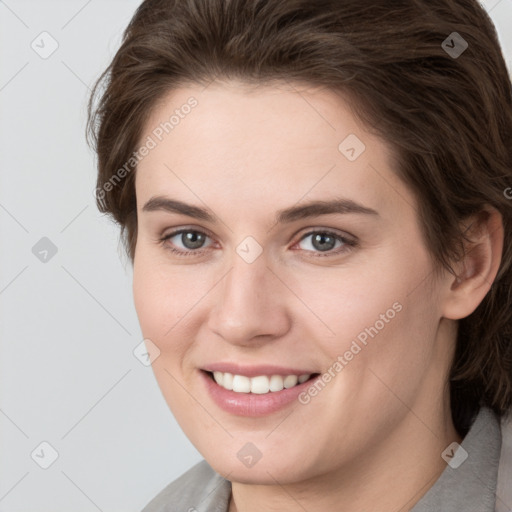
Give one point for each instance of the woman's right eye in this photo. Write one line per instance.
(191, 240)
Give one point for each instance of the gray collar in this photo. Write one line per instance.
(470, 487)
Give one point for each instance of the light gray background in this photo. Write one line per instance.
(68, 326)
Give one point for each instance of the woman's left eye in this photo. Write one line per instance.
(324, 243)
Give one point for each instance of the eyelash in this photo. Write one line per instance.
(348, 244)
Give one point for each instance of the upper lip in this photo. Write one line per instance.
(255, 370)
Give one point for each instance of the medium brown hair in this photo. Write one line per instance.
(447, 117)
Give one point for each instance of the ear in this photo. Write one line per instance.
(477, 269)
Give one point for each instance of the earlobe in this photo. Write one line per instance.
(477, 269)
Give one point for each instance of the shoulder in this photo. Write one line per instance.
(504, 490)
(199, 489)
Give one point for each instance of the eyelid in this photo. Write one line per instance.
(308, 231)
(338, 233)
(186, 227)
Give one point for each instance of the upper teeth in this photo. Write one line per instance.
(260, 385)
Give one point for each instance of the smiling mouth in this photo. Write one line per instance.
(259, 385)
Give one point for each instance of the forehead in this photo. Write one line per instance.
(271, 144)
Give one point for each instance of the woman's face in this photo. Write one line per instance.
(291, 249)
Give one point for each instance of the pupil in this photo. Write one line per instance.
(323, 242)
(192, 240)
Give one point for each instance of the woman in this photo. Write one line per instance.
(314, 199)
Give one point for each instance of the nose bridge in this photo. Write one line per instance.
(245, 281)
(247, 303)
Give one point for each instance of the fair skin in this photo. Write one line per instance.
(382, 422)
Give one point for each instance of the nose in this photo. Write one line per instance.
(250, 303)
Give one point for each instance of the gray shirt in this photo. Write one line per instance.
(468, 487)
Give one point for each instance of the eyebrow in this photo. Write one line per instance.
(310, 209)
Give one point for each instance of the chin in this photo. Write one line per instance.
(265, 471)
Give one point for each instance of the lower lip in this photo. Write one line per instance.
(252, 404)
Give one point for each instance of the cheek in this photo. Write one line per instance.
(342, 303)
(382, 314)
(160, 298)
(170, 302)
(390, 343)
(164, 301)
